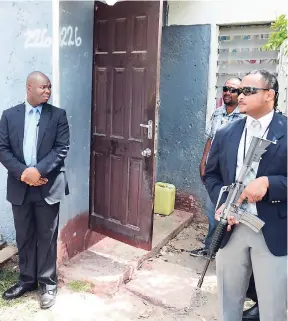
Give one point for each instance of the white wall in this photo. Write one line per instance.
(22, 52)
(223, 12)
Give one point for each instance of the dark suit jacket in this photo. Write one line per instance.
(221, 170)
(52, 148)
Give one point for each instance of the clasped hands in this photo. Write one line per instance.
(32, 177)
(254, 192)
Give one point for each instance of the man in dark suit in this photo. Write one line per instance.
(34, 141)
(242, 249)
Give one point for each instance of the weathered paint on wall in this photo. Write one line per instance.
(25, 27)
(76, 65)
(76, 58)
(28, 46)
(214, 12)
(182, 112)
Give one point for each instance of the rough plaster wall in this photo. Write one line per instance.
(215, 12)
(76, 20)
(23, 49)
(183, 94)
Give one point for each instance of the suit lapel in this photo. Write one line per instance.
(20, 119)
(232, 150)
(44, 119)
(276, 131)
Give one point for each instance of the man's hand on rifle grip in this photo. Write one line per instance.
(231, 219)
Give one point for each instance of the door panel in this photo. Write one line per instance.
(125, 89)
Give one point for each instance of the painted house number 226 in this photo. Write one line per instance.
(38, 38)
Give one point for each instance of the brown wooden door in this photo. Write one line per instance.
(125, 90)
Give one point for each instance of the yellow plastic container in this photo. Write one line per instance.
(164, 200)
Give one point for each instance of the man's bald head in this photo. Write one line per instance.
(36, 76)
(38, 87)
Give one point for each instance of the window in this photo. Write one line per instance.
(240, 51)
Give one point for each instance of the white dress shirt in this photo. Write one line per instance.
(265, 122)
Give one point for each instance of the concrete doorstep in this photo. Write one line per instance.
(171, 286)
(110, 263)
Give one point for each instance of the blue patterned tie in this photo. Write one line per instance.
(30, 148)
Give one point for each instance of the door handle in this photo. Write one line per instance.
(146, 152)
(149, 127)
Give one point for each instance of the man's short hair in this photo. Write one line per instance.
(234, 78)
(270, 80)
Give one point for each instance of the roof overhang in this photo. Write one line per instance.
(109, 2)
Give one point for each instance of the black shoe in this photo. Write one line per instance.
(199, 252)
(18, 290)
(251, 314)
(48, 299)
(203, 252)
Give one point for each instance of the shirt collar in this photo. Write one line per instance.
(28, 108)
(235, 111)
(264, 121)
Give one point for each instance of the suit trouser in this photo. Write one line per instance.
(247, 250)
(36, 224)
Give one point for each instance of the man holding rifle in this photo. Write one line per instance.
(243, 250)
(221, 116)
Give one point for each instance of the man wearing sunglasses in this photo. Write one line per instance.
(243, 250)
(221, 116)
(225, 114)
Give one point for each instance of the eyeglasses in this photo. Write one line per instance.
(248, 91)
(230, 89)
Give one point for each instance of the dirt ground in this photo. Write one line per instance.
(130, 304)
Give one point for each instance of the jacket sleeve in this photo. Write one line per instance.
(212, 177)
(59, 150)
(277, 188)
(7, 158)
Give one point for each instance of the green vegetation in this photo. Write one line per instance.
(79, 286)
(279, 34)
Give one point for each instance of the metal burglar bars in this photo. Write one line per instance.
(240, 51)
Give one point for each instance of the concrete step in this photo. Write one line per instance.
(171, 285)
(104, 274)
(110, 263)
(6, 253)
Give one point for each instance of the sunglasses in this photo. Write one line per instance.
(248, 91)
(230, 89)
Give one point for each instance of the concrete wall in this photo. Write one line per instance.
(183, 94)
(224, 12)
(219, 13)
(76, 61)
(57, 40)
(25, 28)
(76, 21)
